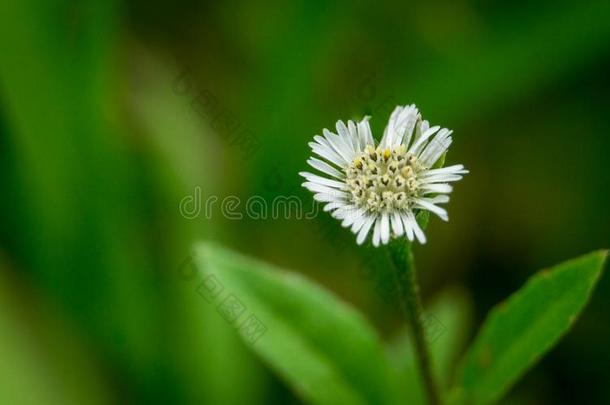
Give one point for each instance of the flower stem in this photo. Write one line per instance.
(401, 256)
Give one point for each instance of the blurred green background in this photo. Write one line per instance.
(111, 113)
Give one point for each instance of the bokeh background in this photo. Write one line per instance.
(111, 113)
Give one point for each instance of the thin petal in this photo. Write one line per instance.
(330, 198)
(359, 223)
(420, 128)
(455, 169)
(325, 168)
(385, 228)
(427, 205)
(353, 215)
(400, 126)
(353, 136)
(319, 188)
(441, 178)
(333, 206)
(328, 154)
(419, 144)
(345, 140)
(337, 144)
(364, 231)
(388, 133)
(397, 227)
(407, 225)
(403, 128)
(365, 134)
(314, 178)
(419, 234)
(436, 147)
(436, 188)
(438, 199)
(377, 232)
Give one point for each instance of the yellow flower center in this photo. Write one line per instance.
(383, 179)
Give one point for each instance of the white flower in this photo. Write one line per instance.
(381, 188)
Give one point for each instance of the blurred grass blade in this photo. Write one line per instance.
(206, 357)
(519, 331)
(83, 223)
(448, 322)
(44, 360)
(321, 347)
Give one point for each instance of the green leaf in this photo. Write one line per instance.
(321, 347)
(519, 331)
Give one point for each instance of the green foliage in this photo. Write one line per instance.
(521, 330)
(323, 349)
(91, 199)
(328, 354)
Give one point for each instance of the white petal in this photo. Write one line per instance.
(337, 144)
(400, 126)
(333, 144)
(353, 214)
(314, 178)
(436, 147)
(397, 224)
(322, 141)
(436, 188)
(441, 175)
(325, 197)
(328, 154)
(427, 205)
(353, 135)
(364, 231)
(405, 123)
(325, 168)
(441, 178)
(346, 140)
(391, 134)
(385, 228)
(419, 144)
(357, 225)
(408, 226)
(377, 232)
(342, 129)
(341, 212)
(365, 134)
(420, 128)
(319, 188)
(455, 169)
(389, 129)
(410, 130)
(333, 206)
(419, 234)
(438, 199)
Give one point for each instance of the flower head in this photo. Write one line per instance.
(382, 187)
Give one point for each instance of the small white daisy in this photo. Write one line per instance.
(381, 188)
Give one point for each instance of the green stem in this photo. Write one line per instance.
(408, 289)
